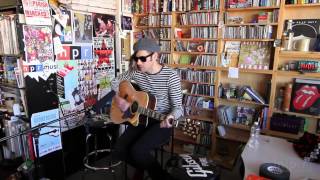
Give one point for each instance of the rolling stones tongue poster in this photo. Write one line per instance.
(305, 96)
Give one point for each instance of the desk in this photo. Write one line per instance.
(278, 151)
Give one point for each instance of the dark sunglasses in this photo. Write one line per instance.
(142, 58)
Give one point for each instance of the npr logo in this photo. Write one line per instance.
(75, 53)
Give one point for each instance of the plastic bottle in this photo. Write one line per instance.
(253, 130)
(257, 130)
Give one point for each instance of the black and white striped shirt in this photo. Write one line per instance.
(164, 85)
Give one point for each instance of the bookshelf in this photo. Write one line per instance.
(266, 22)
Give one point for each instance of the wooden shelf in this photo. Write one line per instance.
(297, 114)
(152, 13)
(165, 52)
(252, 8)
(238, 126)
(299, 54)
(253, 24)
(192, 66)
(298, 74)
(10, 85)
(302, 5)
(194, 82)
(200, 118)
(12, 55)
(196, 39)
(196, 25)
(243, 101)
(198, 53)
(256, 71)
(148, 27)
(233, 137)
(200, 95)
(199, 11)
(251, 40)
(281, 134)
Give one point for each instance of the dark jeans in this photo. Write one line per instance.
(136, 143)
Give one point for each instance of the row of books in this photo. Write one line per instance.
(210, 18)
(302, 1)
(248, 32)
(165, 58)
(197, 46)
(190, 102)
(159, 33)
(8, 35)
(165, 46)
(252, 3)
(156, 20)
(197, 76)
(200, 60)
(204, 32)
(201, 89)
(195, 5)
(156, 6)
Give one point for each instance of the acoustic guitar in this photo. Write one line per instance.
(141, 108)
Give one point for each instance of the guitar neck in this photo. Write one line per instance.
(151, 113)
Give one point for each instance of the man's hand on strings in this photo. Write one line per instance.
(121, 103)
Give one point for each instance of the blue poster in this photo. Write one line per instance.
(50, 136)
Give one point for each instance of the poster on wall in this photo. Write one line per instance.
(126, 6)
(87, 81)
(82, 27)
(305, 96)
(71, 101)
(64, 32)
(105, 67)
(37, 12)
(38, 43)
(50, 138)
(103, 25)
(126, 23)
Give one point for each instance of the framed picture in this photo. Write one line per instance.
(305, 97)
(126, 23)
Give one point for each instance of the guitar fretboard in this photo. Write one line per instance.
(151, 113)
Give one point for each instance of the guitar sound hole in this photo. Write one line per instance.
(134, 107)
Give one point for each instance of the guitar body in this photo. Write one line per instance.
(135, 98)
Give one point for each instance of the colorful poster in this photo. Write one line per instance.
(126, 6)
(104, 77)
(50, 139)
(103, 25)
(87, 81)
(82, 28)
(64, 33)
(70, 97)
(38, 43)
(37, 12)
(103, 49)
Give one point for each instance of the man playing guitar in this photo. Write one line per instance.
(136, 143)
